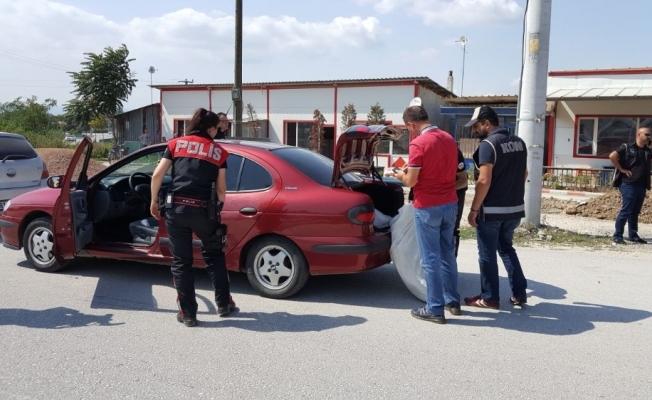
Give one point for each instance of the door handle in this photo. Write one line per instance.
(248, 211)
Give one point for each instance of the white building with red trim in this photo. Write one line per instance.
(285, 109)
(595, 111)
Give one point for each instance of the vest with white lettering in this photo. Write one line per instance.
(196, 161)
(508, 154)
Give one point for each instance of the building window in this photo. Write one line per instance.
(180, 127)
(599, 136)
(398, 147)
(297, 134)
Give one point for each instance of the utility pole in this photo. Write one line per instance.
(236, 93)
(532, 102)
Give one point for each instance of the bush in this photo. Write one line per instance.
(48, 140)
(101, 150)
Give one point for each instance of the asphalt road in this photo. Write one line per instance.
(106, 330)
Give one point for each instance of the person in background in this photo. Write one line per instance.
(431, 172)
(497, 207)
(144, 137)
(223, 127)
(461, 185)
(633, 161)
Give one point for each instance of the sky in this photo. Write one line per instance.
(290, 40)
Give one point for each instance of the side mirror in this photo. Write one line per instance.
(55, 181)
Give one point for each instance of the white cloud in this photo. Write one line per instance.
(453, 12)
(182, 44)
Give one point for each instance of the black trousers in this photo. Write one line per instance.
(180, 227)
(461, 194)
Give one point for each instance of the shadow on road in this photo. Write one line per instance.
(546, 317)
(282, 322)
(129, 286)
(52, 318)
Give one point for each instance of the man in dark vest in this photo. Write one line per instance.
(498, 206)
(633, 162)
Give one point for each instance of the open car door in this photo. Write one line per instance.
(72, 227)
(356, 148)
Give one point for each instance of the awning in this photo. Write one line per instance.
(600, 93)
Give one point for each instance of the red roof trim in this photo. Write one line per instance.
(615, 71)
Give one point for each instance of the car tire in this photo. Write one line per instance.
(276, 267)
(38, 245)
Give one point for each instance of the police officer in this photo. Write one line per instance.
(192, 204)
(497, 207)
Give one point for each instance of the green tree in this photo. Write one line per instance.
(349, 115)
(98, 123)
(28, 116)
(376, 115)
(317, 132)
(103, 84)
(78, 115)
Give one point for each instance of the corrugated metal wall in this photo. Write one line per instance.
(130, 125)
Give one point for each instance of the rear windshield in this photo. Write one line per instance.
(15, 146)
(317, 167)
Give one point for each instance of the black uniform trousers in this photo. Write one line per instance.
(180, 227)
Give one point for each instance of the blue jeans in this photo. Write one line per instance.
(434, 227)
(497, 236)
(633, 197)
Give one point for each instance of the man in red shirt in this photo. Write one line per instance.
(431, 171)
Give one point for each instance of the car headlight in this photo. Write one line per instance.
(7, 204)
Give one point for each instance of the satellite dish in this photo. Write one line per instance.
(415, 102)
(152, 70)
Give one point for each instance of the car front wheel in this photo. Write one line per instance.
(276, 267)
(38, 245)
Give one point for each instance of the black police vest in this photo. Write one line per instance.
(505, 199)
(196, 161)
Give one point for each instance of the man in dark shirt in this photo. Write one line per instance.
(633, 161)
(497, 207)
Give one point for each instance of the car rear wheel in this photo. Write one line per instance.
(276, 267)
(38, 245)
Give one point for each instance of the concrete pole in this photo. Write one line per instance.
(237, 94)
(532, 102)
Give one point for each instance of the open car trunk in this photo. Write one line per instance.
(354, 154)
(387, 197)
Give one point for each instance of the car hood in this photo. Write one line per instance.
(44, 197)
(356, 148)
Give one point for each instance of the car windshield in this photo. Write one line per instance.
(145, 164)
(16, 147)
(316, 166)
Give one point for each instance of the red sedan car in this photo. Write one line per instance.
(291, 212)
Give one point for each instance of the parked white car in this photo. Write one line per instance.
(21, 168)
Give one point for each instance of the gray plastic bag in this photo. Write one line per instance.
(405, 251)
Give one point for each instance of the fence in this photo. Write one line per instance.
(576, 179)
(585, 180)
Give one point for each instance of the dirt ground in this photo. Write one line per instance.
(57, 161)
(603, 207)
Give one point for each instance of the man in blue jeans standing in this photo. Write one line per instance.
(431, 172)
(498, 206)
(633, 162)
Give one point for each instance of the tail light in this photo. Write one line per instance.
(362, 215)
(45, 174)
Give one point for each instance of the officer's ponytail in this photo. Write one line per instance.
(201, 120)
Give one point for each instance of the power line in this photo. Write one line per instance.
(32, 61)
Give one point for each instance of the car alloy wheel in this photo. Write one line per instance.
(276, 267)
(273, 267)
(38, 244)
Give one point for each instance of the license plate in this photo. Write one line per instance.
(2, 205)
